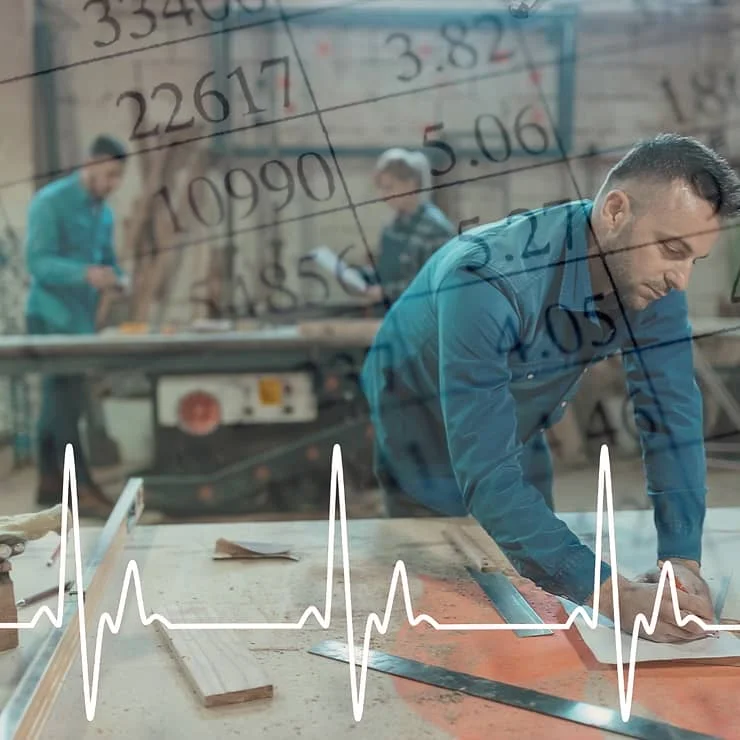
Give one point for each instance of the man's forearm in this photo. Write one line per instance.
(549, 554)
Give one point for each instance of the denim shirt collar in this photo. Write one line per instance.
(576, 285)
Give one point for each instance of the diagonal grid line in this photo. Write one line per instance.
(319, 116)
(673, 444)
(580, 196)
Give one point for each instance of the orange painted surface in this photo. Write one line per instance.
(700, 698)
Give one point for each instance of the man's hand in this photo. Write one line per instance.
(688, 574)
(101, 277)
(639, 597)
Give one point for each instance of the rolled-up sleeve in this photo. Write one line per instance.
(480, 421)
(669, 417)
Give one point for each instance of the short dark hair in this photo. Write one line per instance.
(669, 157)
(108, 147)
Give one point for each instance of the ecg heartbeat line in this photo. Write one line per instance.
(374, 621)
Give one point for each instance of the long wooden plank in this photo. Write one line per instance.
(217, 663)
(474, 543)
(460, 538)
(26, 713)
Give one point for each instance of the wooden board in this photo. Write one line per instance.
(474, 543)
(26, 713)
(142, 693)
(217, 663)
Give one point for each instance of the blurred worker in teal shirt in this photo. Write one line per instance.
(486, 347)
(71, 259)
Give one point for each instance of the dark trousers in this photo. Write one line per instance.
(536, 466)
(63, 401)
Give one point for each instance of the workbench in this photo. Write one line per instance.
(182, 352)
(143, 693)
(227, 351)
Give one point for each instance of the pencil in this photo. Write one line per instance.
(54, 555)
(41, 595)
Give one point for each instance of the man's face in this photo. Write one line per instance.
(389, 186)
(105, 176)
(654, 251)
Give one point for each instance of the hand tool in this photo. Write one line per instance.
(579, 712)
(10, 545)
(509, 603)
(15, 531)
(54, 555)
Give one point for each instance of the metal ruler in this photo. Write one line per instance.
(579, 712)
(509, 603)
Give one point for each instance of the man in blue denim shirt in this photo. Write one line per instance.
(70, 259)
(488, 344)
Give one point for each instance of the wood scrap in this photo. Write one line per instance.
(217, 663)
(149, 231)
(474, 543)
(160, 233)
(342, 331)
(213, 306)
(168, 256)
(200, 270)
(230, 549)
(142, 155)
(458, 536)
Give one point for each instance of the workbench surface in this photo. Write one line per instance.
(237, 351)
(183, 350)
(143, 695)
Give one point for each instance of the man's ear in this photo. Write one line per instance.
(616, 210)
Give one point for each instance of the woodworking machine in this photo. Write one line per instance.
(244, 420)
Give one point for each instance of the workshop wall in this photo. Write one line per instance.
(633, 78)
(623, 68)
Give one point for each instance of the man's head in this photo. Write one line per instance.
(400, 175)
(104, 168)
(660, 209)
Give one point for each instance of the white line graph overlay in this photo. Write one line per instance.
(132, 577)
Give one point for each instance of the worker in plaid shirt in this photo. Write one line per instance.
(418, 230)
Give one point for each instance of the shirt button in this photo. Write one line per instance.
(530, 376)
(563, 404)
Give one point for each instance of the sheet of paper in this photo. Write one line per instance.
(234, 549)
(602, 640)
(327, 260)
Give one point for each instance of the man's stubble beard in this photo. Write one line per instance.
(619, 255)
